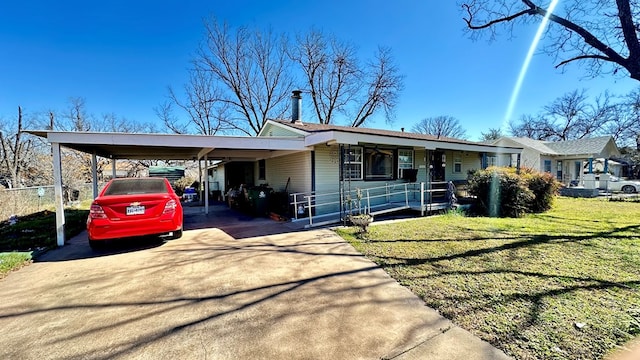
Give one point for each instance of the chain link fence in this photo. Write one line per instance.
(25, 201)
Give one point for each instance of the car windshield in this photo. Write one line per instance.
(136, 186)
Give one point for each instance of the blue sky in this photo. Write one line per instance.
(121, 55)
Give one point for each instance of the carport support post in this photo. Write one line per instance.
(94, 174)
(206, 184)
(57, 188)
(113, 168)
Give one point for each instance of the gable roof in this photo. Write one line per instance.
(595, 145)
(538, 145)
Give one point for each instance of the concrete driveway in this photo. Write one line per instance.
(246, 289)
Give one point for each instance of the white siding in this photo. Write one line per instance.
(420, 163)
(327, 178)
(296, 167)
(327, 168)
(530, 157)
(553, 164)
(470, 161)
(217, 176)
(272, 130)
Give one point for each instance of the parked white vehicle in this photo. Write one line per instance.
(626, 186)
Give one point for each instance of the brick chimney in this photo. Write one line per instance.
(296, 107)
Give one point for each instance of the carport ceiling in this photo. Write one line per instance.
(171, 146)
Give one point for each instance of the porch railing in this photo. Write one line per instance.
(305, 205)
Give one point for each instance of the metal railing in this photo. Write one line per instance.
(306, 205)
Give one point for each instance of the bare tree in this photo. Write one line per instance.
(530, 126)
(570, 116)
(203, 103)
(16, 149)
(626, 127)
(164, 112)
(440, 126)
(111, 122)
(491, 135)
(75, 117)
(339, 84)
(599, 34)
(252, 71)
(382, 88)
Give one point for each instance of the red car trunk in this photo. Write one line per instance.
(134, 207)
(115, 207)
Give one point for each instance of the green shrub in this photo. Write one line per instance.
(504, 192)
(544, 187)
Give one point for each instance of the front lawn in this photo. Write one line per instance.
(38, 230)
(560, 285)
(13, 261)
(34, 232)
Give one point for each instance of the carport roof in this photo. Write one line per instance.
(173, 146)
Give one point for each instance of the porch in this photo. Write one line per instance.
(319, 209)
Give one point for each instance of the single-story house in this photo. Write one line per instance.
(326, 171)
(569, 160)
(374, 170)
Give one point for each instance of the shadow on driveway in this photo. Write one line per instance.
(285, 294)
(236, 224)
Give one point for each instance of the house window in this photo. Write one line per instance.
(457, 163)
(559, 170)
(405, 161)
(547, 166)
(378, 164)
(262, 170)
(492, 160)
(352, 168)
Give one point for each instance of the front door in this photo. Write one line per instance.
(437, 165)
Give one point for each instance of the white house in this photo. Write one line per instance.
(372, 169)
(567, 160)
(324, 170)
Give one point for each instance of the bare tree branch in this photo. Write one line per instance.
(469, 20)
(606, 31)
(440, 126)
(251, 69)
(582, 57)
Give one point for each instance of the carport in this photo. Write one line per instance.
(116, 146)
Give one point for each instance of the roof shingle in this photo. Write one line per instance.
(314, 127)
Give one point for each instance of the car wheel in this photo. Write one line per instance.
(628, 189)
(176, 234)
(96, 245)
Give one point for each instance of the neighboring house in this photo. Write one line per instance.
(567, 160)
(346, 167)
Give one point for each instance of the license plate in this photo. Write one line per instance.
(135, 210)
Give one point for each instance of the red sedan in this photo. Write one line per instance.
(132, 207)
